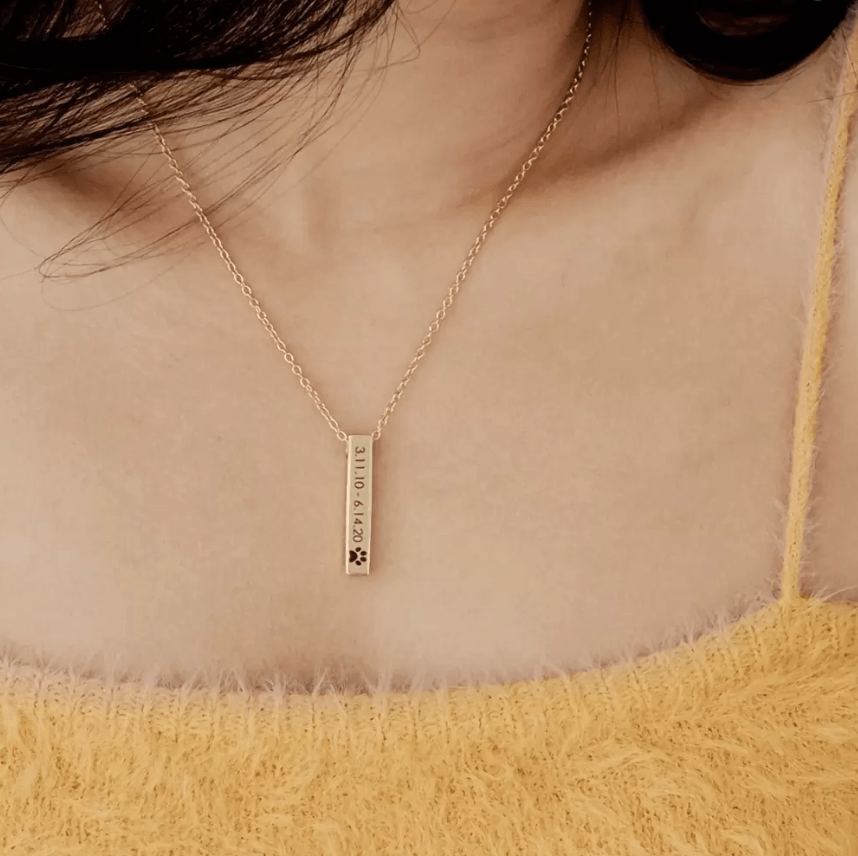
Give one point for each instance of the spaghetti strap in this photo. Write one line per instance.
(810, 376)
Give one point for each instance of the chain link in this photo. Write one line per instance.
(454, 289)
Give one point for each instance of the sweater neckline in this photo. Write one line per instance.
(744, 647)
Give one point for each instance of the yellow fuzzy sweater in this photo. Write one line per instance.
(742, 743)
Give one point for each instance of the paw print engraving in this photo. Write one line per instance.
(357, 557)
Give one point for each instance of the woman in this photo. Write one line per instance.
(585, 617)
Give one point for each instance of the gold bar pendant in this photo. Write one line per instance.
(358, 504)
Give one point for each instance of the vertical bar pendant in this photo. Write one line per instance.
(358, 504)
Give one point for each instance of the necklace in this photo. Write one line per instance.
(359, 447)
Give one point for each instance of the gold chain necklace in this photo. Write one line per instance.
(359, 446)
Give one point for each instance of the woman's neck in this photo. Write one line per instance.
(436, 114)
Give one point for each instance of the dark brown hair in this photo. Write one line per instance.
(65, 67)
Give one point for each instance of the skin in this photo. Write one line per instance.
(590, 462)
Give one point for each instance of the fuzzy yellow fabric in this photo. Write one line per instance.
(743, 743)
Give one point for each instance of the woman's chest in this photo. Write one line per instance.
(591, 461)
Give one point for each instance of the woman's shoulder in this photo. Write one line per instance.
(832, 539)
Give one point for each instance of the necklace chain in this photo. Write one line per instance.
(457, 283)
